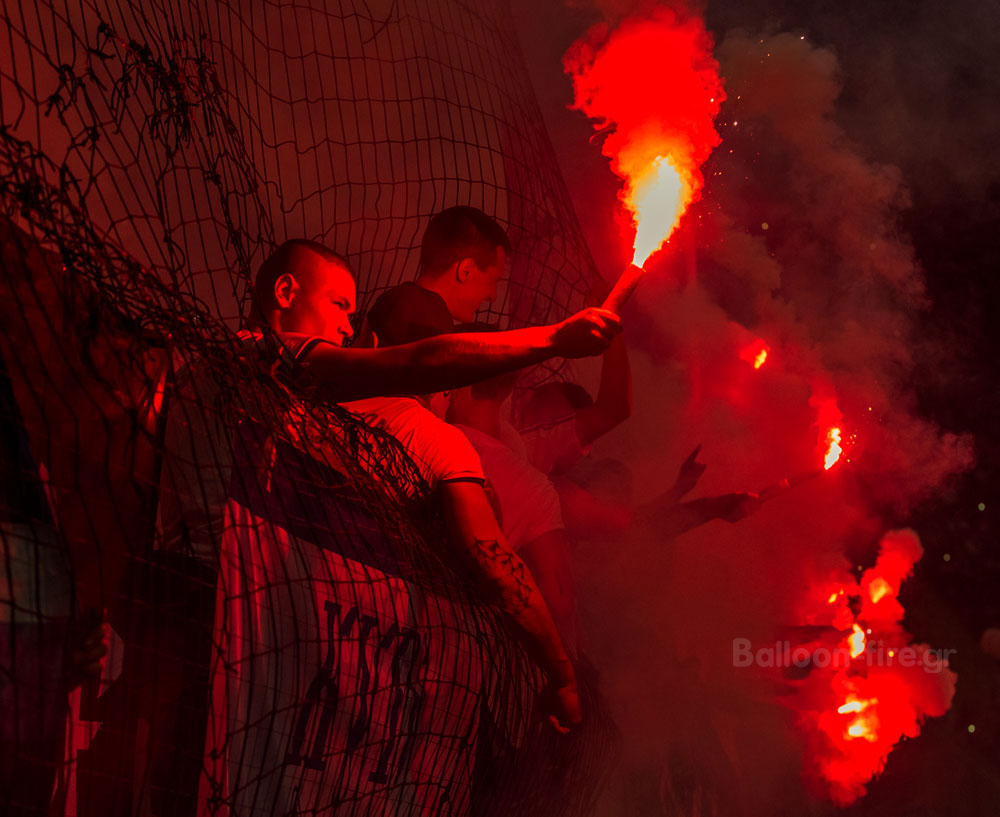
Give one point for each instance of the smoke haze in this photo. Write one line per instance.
(797, 243)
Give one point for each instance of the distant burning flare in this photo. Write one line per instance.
(865, 725)
(833, 450)
(856, 641)
(653, 84)
(755, 353)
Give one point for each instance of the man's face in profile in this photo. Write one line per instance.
(480, 286)
(323, 302)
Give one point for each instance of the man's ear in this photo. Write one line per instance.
(285, 287)
(367, 339)
(463, 269)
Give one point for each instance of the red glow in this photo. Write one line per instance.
(655, 81)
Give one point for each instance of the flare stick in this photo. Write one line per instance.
(623, 289)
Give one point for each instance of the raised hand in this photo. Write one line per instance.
(689, 474)
(734, 507)
(585, 334)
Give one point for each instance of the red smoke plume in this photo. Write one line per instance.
(654, 83)
(795, 249)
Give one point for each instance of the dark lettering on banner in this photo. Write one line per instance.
(325, 692)
(401, 694)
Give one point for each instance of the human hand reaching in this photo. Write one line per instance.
(585, 334)
(736, 506)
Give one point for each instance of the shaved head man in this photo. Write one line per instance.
(309, 287)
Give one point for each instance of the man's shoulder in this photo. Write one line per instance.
(404, 415)
(386, 406)
(498, 452)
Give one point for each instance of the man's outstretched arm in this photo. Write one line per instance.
(474, 531)
(451, 361)
(673, 520)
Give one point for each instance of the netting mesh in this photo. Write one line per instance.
(198, 137)
(288, 635)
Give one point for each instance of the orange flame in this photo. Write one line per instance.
(879, 589)
(833, 450)
(857, 641)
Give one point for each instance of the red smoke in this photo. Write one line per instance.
(653, 80)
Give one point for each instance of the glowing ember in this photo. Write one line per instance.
(759, 360)
(653, 86)
(878, 590)
(857, 641)
(833, 450)
(851, 706)
(833, 597)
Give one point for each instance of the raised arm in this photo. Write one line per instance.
(474, 531)
(613, 405)
(452, 361)
(673, 520)
(589, 516)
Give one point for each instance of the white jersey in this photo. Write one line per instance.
(439, 450)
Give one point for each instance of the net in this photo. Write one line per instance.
(286, 634)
